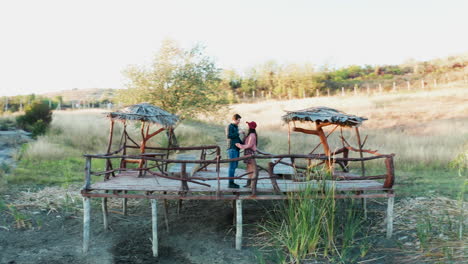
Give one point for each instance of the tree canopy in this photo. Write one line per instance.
(183, 82)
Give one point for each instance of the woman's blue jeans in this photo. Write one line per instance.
(232, 154)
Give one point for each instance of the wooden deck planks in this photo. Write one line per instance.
(129, 181)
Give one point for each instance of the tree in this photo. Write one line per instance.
(184, 82)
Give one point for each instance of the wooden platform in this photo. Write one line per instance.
(128, 181)
(127, 184)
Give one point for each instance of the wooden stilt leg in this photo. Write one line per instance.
(234, 212)
(86, 223)
(104, 213)
(364, 205)
(238, 224)
(390, 216)
(124, 204)
(154, 218)
(179, 206)
(166, 215)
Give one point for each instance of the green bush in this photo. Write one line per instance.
(36, 119)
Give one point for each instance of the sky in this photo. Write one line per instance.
(60, 45)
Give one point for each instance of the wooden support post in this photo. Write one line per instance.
(88, 173)
(238, 224)
(183, 175)
(326, 148)
(345, 163)
(86, 223)
(109, 146)
(124, 205)
(104, 213)
(360, 151)
(154, 218)
(289, 139)
(254, 178)
(390, 179)
(389, 219)
(218, 190)
(123, 164)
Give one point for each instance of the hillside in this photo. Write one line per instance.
(92, 94)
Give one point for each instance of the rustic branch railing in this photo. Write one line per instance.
(389, 177)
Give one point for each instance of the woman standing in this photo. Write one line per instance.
(250, 147)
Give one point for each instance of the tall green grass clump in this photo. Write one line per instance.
(311, 224)
(461, 164)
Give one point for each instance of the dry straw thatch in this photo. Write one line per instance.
(324, 115)
(145, 112)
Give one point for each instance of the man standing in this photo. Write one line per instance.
(232, 133)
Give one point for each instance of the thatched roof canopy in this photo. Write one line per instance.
(324, 115)
(145, 112)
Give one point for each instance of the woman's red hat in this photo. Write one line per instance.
(252, 125)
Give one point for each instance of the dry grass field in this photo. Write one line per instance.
(427, 130)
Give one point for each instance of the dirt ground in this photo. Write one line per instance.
(201, 233)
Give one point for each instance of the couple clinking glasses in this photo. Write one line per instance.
(235, 143)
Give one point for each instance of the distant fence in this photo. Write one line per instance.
(365, 88)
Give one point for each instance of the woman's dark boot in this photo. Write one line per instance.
(249, 181)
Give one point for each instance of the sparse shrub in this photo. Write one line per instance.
(36, 119)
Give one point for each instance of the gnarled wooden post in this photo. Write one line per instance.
(390, 177)
(273, 177)
(109, 146)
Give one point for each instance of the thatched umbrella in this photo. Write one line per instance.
(322, 116)
(147, 114)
